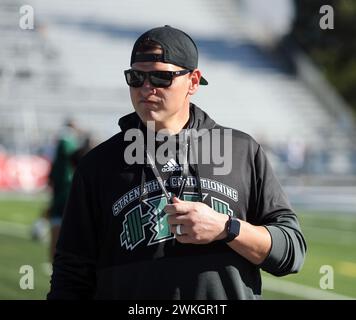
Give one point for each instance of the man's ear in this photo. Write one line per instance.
(194, 81)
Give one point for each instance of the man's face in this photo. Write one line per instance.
(166, 106)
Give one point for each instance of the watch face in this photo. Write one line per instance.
(234, 227)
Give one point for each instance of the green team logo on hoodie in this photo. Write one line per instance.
(134, 231)
(133, 228)
(159, 223)
(220, 206)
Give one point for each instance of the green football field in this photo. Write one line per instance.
(329, 271)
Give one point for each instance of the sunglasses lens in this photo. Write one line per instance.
(135, 78)
(161, 79)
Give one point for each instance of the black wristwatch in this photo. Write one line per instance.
(233, 229)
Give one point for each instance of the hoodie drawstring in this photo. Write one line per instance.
(143, 179)
(196, 167)
(186, 165)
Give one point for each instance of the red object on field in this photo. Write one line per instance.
(2, 172)
(23, 172)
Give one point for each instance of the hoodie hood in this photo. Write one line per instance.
(198, 119)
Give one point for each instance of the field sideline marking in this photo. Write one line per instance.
(300, 290)
(330, 236)
(347, 233)
(15, 229)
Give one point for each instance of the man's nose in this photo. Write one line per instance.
(147, 87)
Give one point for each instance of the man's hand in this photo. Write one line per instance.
(200, 224)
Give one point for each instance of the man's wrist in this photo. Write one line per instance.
(223, 227)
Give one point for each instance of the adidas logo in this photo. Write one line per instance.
(171, 165)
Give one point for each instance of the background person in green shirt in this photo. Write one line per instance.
(60, 177)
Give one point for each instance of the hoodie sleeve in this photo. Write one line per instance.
(74, 264)
(275, 213)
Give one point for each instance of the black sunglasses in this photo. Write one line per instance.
(159, 79)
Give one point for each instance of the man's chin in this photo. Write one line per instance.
(151, 115)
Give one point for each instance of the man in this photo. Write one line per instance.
(151, 229)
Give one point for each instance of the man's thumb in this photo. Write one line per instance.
(176, 200)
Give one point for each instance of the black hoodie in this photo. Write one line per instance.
(115, 242)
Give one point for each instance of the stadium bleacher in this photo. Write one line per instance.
(72, 63)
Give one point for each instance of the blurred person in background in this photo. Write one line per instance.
(84, 148)
(60, 178)
(175, 229)
(296, 151)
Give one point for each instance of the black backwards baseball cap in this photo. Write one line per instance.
(177, 48)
